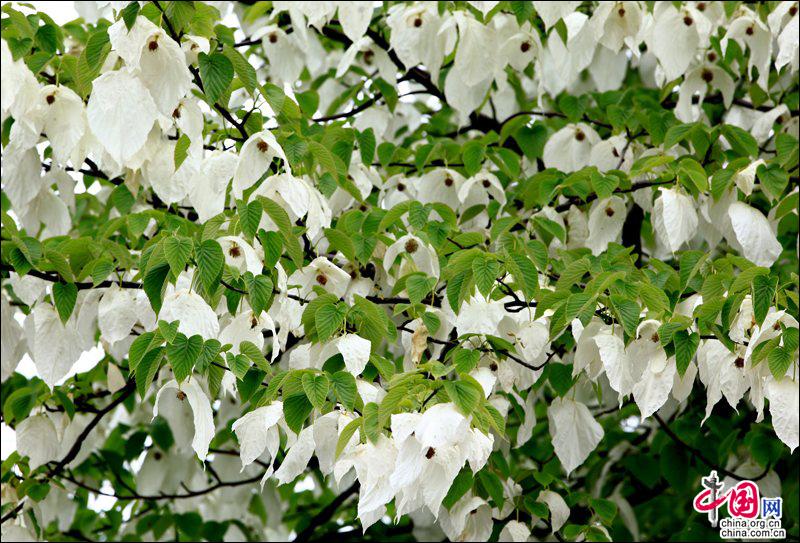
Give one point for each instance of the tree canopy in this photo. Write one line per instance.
(397, 271)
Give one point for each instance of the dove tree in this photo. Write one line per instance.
(396, 270)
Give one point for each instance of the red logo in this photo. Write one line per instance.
(743, 499)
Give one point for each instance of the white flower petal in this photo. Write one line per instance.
(121, 113)
(201, 412)
(574, 431)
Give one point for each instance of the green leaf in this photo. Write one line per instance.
(243, 69)
(525, 274)
(764, 288)
(485, 270)
(372, 427)
(129, 14)
(147, 369)
(473, 155)
(261, 290)
(181, 150)
(296, 409)
(466, 360)
(461, 484)
(605, 509)
(341, 242)
(418, 286)
(347, 434)
(560, 378)
(604, 185)
(548, 230)
(281, 219)
(677, 134)
(780, 358)
(773, 179)
(685, 347)
(168, 330)
(791, 338)
(692, 175)
(122, 199)
(316, 388)
(64, 297)
(571, 107)
(139, 348)
(531, 140)
(627, 312)
(239, 364)
(208, 353)
(366, 145)
(742, 142)
(216, 72)
(210, 261)
(182, 354)
(153, 284)
(177, 251)
(493, 486)
(465, 393)
(653, 297)
(250, 217)
(328, 319)
(344, 387)
(97, 48)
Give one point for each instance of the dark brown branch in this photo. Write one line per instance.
(699, 454)
(326, 513)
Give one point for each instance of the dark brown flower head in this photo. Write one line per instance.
(412, 246)
(235, 251)
(654, 338)
(368, 271)
(157, 456)
(153, 45)
(418, 22)
(273, 37)
(701, 6)
(712, 56)
(181, 395)
(793, 10)
(401, 187)
(615, 152)
(525, 46)
(610, 211)
(493, 366)
(707, 75)
(322, 279)
(621, 12)
(262, 146)
(368, 56)
(688, 21)
(776, 326)
(749, 31)
(50, 99)
(580, 136)
(448, 182)
(253, 322)
(176, 113)
(486, 184)
(739, 362)
(430, 453)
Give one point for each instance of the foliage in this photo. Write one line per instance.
(496, 263)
